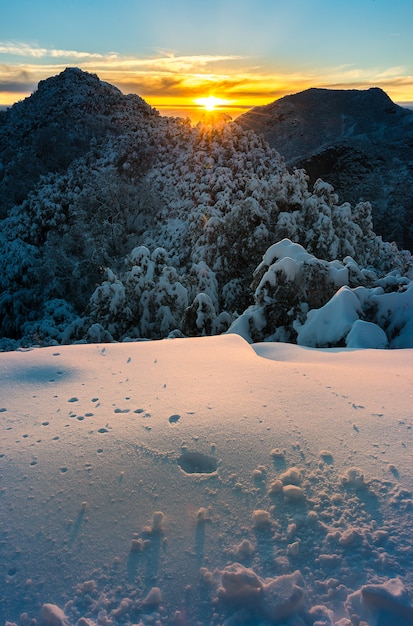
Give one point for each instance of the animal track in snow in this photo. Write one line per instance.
(197, 463)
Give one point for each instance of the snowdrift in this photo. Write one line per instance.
(205, 481)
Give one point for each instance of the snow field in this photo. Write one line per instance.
(205, 481)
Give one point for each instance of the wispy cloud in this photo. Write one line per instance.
(34, 51)
(164, 60)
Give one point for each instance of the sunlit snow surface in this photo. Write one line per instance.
(266, 482)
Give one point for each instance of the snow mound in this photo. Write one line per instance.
(302, 299)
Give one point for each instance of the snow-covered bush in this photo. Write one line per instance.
(108, 304)
(147, 300)
(320, 303)
(200, 316)
(57, 315)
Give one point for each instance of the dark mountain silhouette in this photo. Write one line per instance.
(359, 141)
(55, 125)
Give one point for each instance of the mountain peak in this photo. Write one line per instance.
(359, 141)
(374, 99)
(305, 121)
(75, 79)
(75, 92)
(56, 124)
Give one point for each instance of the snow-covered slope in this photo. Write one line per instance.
(65, 116)
(205, 481)
(300, 124)
(357, 140)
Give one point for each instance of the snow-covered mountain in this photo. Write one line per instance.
(358, 141)
(200, 481)
(57, 124)
(135, 226)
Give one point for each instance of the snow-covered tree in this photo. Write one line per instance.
(318, 303)
(155, 227)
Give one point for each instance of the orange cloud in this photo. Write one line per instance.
(173, 83)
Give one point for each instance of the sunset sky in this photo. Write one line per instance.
(244, 52)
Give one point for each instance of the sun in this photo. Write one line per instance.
(210, 103)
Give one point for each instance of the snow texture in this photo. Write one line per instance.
(206, 481)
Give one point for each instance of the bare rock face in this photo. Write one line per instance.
(358, 141)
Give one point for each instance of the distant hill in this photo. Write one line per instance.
(359, 141)
(47, 131)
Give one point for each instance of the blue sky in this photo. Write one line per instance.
(246, 52)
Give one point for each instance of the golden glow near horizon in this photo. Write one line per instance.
(248, 53)
(210, 103)
(176, 85)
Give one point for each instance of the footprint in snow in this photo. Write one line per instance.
(174, 419)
